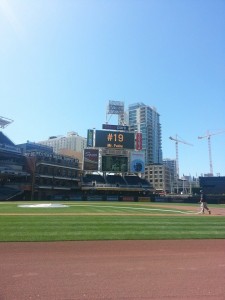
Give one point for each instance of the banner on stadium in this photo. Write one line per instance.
(90, 160)
(90, 138)
(138, 139)
(137, 162)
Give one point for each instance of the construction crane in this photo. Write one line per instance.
(177, 156)
(208, 136)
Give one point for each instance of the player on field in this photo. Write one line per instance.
(203, 202)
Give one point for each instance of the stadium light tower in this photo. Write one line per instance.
(116, 108)
(5, 122)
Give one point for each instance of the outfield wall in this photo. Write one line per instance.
(117, 198)
(132, 197)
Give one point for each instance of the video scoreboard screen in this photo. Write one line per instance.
(114, 164)
(114, 139)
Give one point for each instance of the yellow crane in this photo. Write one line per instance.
(208, 136)
(177, 156)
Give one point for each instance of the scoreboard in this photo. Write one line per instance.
(114, 139)
(114, 164)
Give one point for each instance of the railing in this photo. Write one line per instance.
(6, 147)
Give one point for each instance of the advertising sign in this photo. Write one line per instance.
(138, 141)
(90, 160)
(137, 162)
(115, 127)
(90, 137)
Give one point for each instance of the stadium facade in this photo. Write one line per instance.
(13, 172)
(119, 163)
(212, 185)
(33, 171)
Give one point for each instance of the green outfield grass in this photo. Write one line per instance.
(106, 221)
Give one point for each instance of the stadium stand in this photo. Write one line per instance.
(135, 180)
(12, 169)
(4, 140)
(213, 185)
(116, 180)
(93, 179)
(9, 193)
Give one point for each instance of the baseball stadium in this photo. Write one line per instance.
(99, 230)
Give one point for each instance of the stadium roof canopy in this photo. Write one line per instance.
(4, 122)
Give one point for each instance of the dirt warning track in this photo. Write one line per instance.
(182, 269)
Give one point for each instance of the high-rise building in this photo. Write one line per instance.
(145, 119)
(172, 166)
(70, 142)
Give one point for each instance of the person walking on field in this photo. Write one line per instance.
(204, 204)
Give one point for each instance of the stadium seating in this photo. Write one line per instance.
(5, 140)
(134, 180)
(115, 180)
(7, 192)
(93, 178)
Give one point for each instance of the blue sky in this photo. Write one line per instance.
(61, 61)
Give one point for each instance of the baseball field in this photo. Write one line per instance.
(73, 221)
(111, 250)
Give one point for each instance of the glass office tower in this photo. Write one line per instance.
(145, 119)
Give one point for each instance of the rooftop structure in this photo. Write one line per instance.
(5, 122)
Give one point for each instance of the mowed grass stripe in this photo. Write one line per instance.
(71, 228)
(47, 226)
(131, 208)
